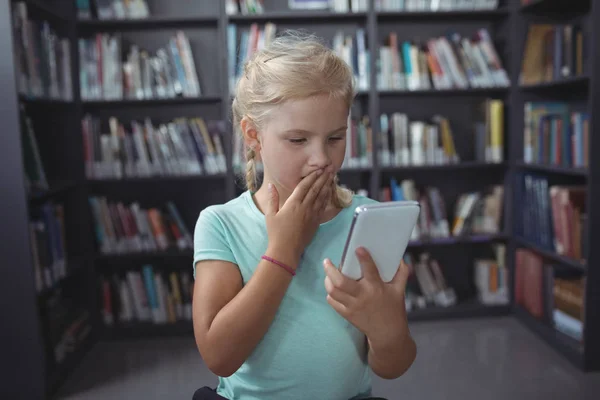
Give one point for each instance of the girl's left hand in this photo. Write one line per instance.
(374, 307)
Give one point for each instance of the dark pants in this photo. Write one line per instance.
(207, 393)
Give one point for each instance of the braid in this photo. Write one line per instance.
(251, 170)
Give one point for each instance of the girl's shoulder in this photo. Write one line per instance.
(359, 200)
(235, 210)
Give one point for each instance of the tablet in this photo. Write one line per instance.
(384, 229)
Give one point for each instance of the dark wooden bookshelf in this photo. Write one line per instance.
(150, 102)
(553, 169)
(486, 91)
(575, 82)
(298, 16)
(476, 15)
(93, 25)
(551, 255)
(537, 7)
(24, 354)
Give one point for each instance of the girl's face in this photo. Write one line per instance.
(301, 136)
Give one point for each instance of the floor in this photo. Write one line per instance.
(457, 360)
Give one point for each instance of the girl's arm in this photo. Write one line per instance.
(390, 358)
(230, 320)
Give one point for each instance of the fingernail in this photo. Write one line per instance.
(326, 262)
(361, 252)
(319, 171)
(270, 186)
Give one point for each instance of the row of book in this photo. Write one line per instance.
(42, 57)
(431, 142)
(435, 5)
(552, 52)
(66, 324)
(250, 7)
(48, 245)
(475, 213)
(147, 295)
(444, 62)
(555, 135)
(553, 217)
(548, 295)
(427, 285)
(352, 48)
(122, 228)
(106, 75)
(112, 9)
(182, 147)
(35, 174)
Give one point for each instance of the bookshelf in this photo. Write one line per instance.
(58, 126)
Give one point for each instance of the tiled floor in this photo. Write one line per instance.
(480, 359)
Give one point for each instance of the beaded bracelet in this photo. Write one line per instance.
(282, 265)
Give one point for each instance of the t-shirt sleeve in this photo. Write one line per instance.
(210, 239)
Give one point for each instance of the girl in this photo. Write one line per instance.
(273, 317)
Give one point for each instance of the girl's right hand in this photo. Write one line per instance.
(291, 228)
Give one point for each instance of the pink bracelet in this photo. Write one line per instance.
(282, 265)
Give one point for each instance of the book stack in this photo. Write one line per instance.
(553, 52)
(359, 143)
(182, 147)
(435, 5)
(351, 48)
(475, 212)
(440, 63)
(491, 278)
(147, 295)
(427, 286)
(555, 135)
(48, 245)
(112, 9)
(42, 56)
(35, 174)
(168, 73)
(553, 217)
(122, 229)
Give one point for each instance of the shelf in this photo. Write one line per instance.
(445, 167)
(146, 23)
(553, 169)
(551, 255)
(472, 239)
(75, 267)
(171, 254)
(141, 330)
(39, 9)
(303, 16)
(445, 92)
(564, 344)
(154, 179)
(576, 82)
(556, 6)
(44, 101)
(56, 189)
(151, 102)
(468, 309)
(443, 15)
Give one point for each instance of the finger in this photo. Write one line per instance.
(340, 281)
(324, 198)
(337, 294)
(401, 276)
(273, 203)
(315, 189)
(338, 307)
(304, 186)
(367, 265)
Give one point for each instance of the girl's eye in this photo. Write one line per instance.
(336, 138)
(297, 141)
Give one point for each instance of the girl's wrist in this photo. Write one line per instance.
(283, 254)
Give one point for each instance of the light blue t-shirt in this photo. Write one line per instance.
(309, 351)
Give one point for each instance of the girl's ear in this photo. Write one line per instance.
(250, 134)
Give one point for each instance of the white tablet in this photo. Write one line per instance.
(384, 229)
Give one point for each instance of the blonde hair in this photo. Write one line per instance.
(294, 65)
